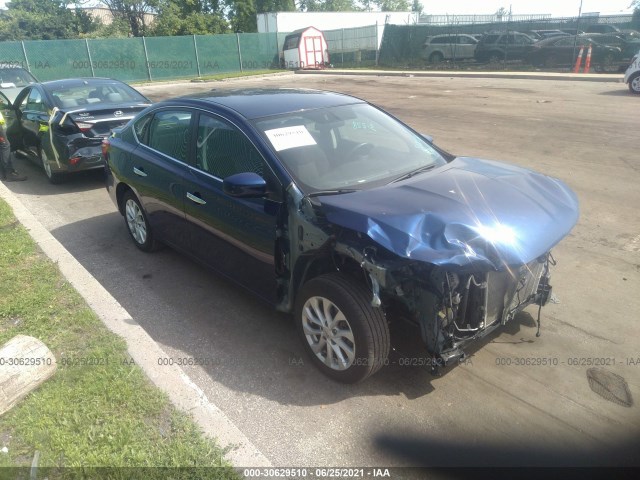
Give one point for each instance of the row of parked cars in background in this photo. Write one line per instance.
(611, 47)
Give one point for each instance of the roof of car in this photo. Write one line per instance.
(72, 82)
(258, 102)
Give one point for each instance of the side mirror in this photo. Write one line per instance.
(428, 138)
(247, 185)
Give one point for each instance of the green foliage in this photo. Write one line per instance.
(416, 6)
(133, 12)
(44, 20)
(329, 6)
(393, 5)
(242, 15)
(180, 17)
(265, 6)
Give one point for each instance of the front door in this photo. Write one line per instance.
(236, 236)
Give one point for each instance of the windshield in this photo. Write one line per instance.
(346, 147)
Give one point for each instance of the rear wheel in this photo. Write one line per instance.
(607, 64)
(137, 224)
(634, 83)
(346, 338)
(436, 57)
(53, 177)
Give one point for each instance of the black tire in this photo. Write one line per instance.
(135, 218)
(495, 57)
(335, 292)
(607, 64)
(436, 57)
(54, 178)
(551, 61)
(634, 83)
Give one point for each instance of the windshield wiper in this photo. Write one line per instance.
(425, 168)
(321, 193)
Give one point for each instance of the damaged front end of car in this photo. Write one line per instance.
(457, 255)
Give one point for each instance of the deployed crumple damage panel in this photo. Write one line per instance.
(472, 215)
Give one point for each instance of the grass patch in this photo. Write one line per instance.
(85, 416)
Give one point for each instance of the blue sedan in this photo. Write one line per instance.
(335, 211)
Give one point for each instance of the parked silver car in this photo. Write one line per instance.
(448, 47)
(632, 75)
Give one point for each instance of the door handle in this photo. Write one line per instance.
(140, 172)
(195, 199)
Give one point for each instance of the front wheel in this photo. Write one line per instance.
(137, 224)
(53, 178)
(346, 338)
(634, 83)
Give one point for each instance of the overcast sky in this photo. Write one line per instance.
(558, 8)
(555, 7)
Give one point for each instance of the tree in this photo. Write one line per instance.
(189, 17)
(417, 7)
(44, 20)
(265, 6)
(393, 5)
(329, 6)
(242, 15)
(133, 12)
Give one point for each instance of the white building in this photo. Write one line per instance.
(285, 22)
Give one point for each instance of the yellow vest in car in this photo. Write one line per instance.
(1, 120)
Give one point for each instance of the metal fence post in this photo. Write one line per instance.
(195, 48)
(377, 45)
(342, 48)
(86, 42)
(239, 51)
(26, 60)
(146, 58)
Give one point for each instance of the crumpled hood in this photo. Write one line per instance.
(468, 214)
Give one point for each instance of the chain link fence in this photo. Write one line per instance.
(491, 43)
(139, 59)
(354, 47)
(450, 42)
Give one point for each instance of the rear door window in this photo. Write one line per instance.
(169, 132)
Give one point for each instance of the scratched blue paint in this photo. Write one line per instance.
(468, 214)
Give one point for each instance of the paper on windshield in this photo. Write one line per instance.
(289, 137)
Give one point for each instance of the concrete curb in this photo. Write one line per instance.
(575, 77)
(147, 83)
(182, 392)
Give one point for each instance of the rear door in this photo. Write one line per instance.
(517, 45)
(157, 168)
